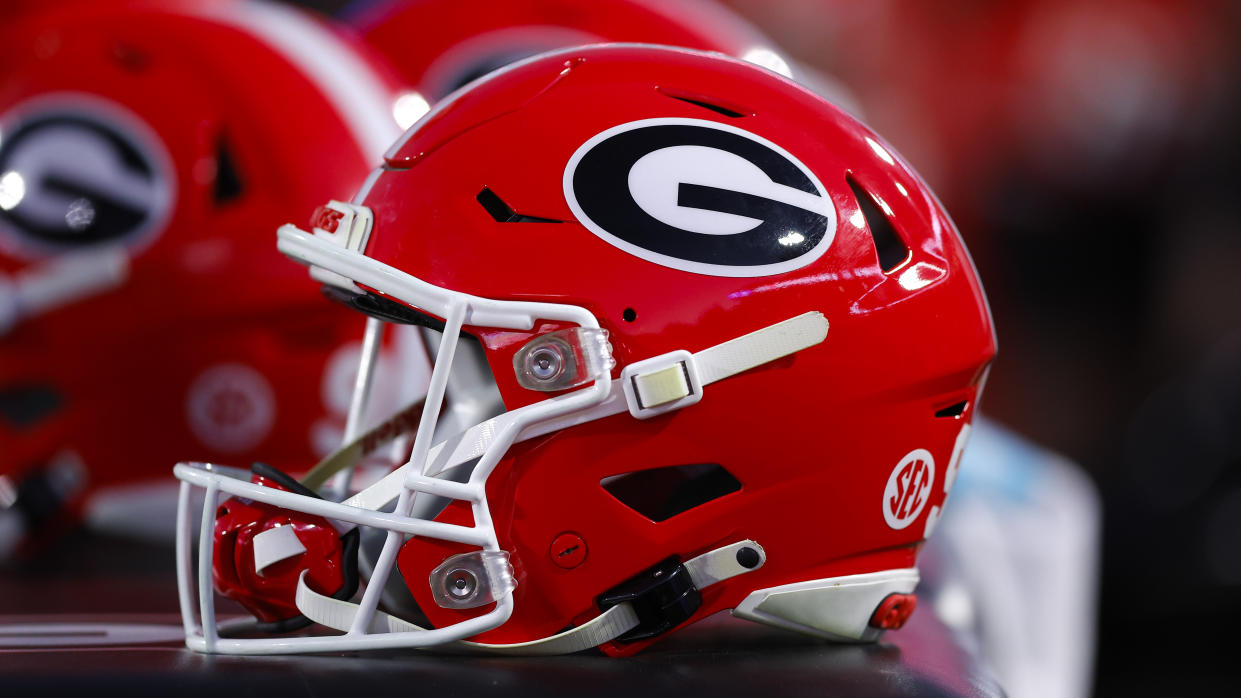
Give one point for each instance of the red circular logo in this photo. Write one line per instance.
(908, 489)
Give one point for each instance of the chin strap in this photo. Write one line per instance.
(649, 388)
(403, 422)
(704, 570)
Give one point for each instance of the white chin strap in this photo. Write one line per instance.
(704, 570)
(650, 388)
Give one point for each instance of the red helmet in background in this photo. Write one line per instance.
(440, 45)
(147, 151)
(646, 246)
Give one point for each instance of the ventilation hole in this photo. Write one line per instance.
(713, 107)
(629, 315)
(954, 410)
(501, 211)
(221, 512)
(888, 243)
(27, 404)
(661, 493)
(704, 102)
(227, 180)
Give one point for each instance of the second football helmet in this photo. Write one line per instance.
(146, 151)
(441, 45)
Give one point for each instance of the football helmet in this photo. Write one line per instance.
(637, 416)
(146, 151)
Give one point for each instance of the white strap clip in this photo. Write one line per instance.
(661, 384)
(674, 380)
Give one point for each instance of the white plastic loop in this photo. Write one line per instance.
(275, 544)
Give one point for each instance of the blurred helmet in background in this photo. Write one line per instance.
(441, 45)
(148, 150)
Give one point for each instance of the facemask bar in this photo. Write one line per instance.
(361, 397)
(457, 309)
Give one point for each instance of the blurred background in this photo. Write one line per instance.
(1089, 154)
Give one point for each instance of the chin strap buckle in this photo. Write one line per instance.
(674, 380)
(663, 597)
(667, 594)
(661, 384)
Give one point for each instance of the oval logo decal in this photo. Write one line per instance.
(909, 487)
(701, 197)
(79, 171)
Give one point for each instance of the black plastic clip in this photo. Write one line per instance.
(663, 596)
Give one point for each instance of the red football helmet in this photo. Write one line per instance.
(440, 45)
(147, 150)
(637, 252)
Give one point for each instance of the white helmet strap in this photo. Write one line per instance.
(704, 570)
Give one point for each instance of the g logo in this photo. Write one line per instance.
(80, 172)
(700, 196)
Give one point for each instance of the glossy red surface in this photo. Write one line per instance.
(813, 437)
(270, 594)
(205, 289)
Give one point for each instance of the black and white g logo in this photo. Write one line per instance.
(80, 172)
(700, 196)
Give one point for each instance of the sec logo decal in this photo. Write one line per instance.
(909, 487)
(231, 408)
(700, 196)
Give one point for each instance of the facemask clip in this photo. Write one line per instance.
(470, 580)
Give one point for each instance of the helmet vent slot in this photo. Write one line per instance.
(227, 180)
(704, 102)
(662, 493)
(889, 245)
(503, 213)
(954, 410)
(24, 405)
